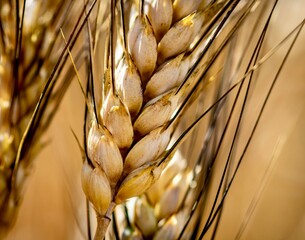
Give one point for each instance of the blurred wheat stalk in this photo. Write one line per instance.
(164, 211)
(30, 90)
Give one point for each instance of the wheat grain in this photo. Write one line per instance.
(143, 47)
(101, 147)
(161, 17)
(128, 86)
(97, 188)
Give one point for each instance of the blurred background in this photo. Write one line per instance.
(272, 173)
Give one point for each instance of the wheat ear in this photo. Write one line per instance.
(145, 91)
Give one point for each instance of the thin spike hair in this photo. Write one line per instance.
(32, 87)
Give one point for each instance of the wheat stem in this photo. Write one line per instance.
(103, 223)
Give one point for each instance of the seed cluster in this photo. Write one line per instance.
(132, 130)
(162, 212)
(142, 91)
